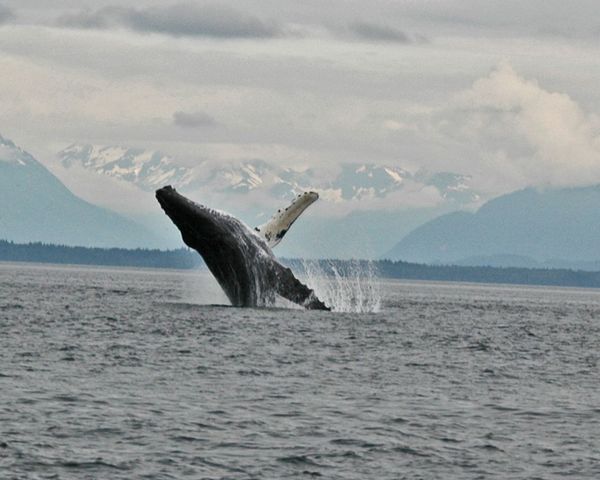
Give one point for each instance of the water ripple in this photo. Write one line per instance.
(123, 374)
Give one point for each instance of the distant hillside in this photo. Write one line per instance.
(36, 206)
(554, 227)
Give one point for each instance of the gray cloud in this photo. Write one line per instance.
(533, 18)
(181, 19)
(193, 119)
(103, 18)
(6, 14)
(375, 32)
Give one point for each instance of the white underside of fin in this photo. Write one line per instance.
(275, 229)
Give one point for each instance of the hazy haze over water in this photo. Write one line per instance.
(113, 373)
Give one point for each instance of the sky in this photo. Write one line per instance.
(504, 91)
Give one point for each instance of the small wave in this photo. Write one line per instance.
(66, 398)
(67, 348)
(489, 447)
(212, 463)
(119, 291)
(299, 460)
(187, 439)
(355, 443)
(531, 413)
(94, 464)
(479, 346)
(410, 451)
(253, 373)
(450, 440)
(399, 420)
(11, 306)
(207, 426)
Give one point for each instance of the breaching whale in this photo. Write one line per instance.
(239, 257)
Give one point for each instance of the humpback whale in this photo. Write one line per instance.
(239, 257)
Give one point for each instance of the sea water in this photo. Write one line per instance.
(123, 374)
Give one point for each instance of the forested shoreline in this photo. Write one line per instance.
(62, 254)
(184, 258)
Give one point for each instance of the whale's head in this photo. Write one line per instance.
(198, 224)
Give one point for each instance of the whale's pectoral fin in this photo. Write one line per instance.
(288, 286)
(274, 230)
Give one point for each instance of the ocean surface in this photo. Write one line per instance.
(127, 374)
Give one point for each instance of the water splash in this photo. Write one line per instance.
(344, 285)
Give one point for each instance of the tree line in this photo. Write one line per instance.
(184, 258)
(38, 252)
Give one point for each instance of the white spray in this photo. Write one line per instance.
(345, 286)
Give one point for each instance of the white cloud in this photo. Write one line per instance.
(529, 134)
(507, 132)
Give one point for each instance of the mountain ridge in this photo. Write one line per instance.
(361, 212)
(542, 225)
(354, 181)
(36, 206)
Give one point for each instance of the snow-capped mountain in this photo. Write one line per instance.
(243, 177)
(352, 181)
(368, 181)
(14, 155)
(149, 170)
(36, 206)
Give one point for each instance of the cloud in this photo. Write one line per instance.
(375, 32)
(307, 101)
(193, 119)
(514, 16)
(523, 134)
(104, 18)
(6, 14)
(506, 131)
(181, 19)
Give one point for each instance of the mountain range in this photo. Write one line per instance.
(36, 206)
(149, 170)
(551, 227)
(253, 189)
(527, 228)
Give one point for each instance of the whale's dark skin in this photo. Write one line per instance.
(240, 260)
